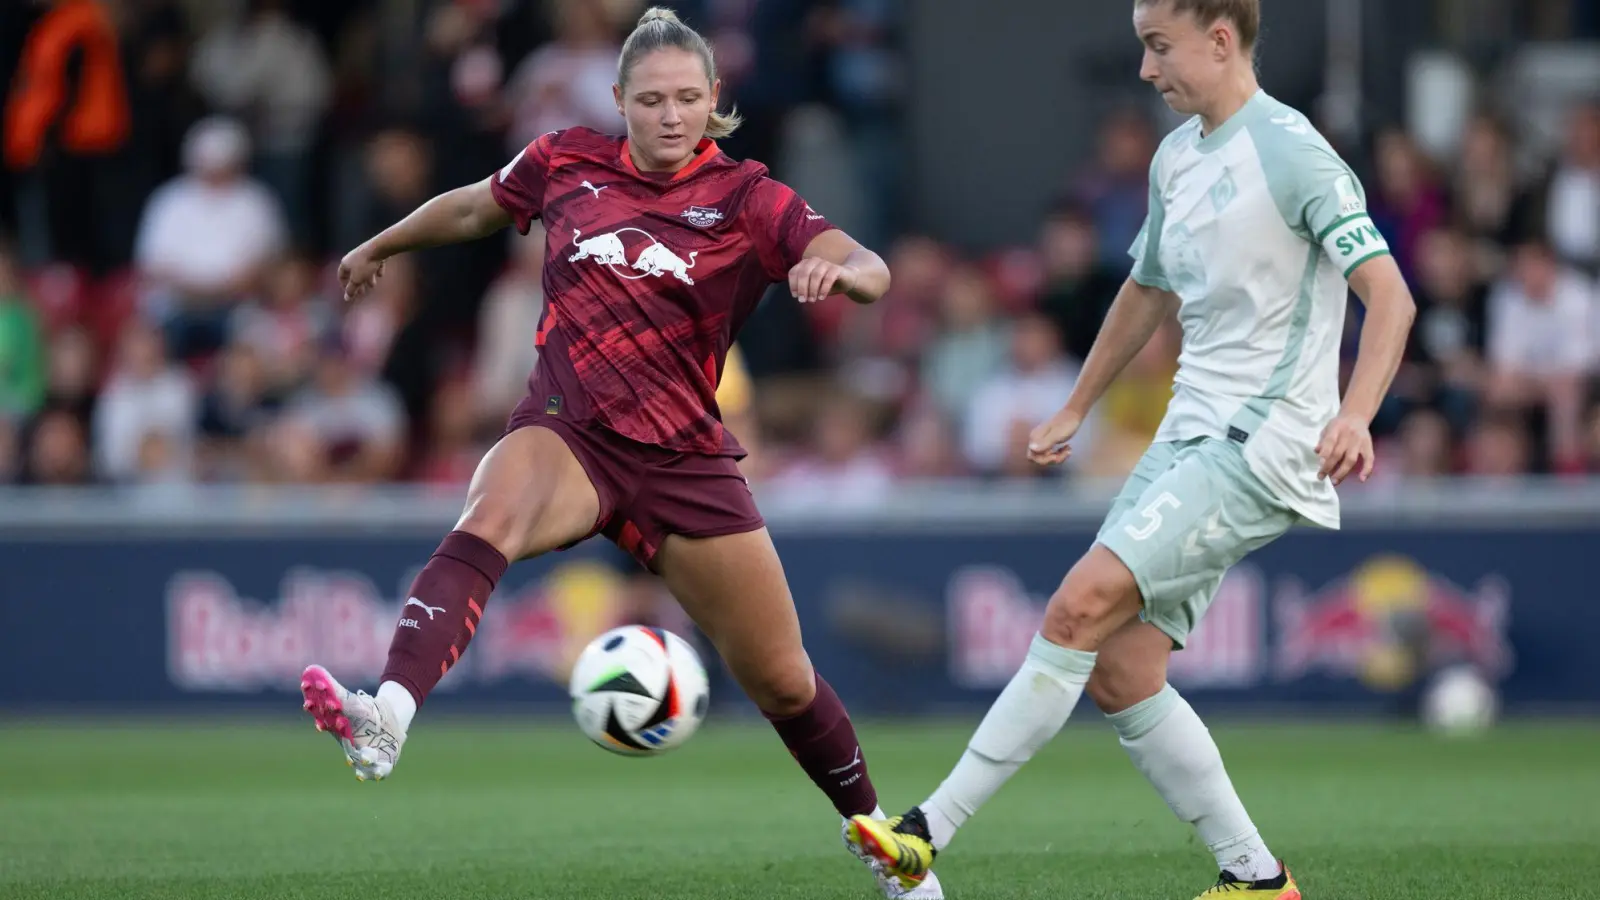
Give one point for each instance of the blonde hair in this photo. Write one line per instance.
(661, 29)
(1244, 14)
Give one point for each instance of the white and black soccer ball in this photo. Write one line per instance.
(1459, 701)
(639, 691)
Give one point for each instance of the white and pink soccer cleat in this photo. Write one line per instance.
(364, 726)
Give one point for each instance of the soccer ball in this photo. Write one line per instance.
(1459, 701)
(639, 691)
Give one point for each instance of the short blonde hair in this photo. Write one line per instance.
(1244, 14)
(659, 29)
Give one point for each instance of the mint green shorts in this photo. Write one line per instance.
(1188, 512)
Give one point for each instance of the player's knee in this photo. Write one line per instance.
(1119, 683)
(497, 523)
(782, 687)
(1087, 607)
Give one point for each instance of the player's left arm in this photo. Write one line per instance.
(1347, 441)
(834, 263)
(1323, 200)
(799, 245)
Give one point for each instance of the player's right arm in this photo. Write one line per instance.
(1146, 299)
(512, 196)
(1137, 312)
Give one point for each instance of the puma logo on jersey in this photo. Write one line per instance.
(505, 171)
(596, 190)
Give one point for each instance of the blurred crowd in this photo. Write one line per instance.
(181, 178)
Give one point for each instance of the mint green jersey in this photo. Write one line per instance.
(1256, 227)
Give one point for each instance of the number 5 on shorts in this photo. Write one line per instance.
(1152, 515)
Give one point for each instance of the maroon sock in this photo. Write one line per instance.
(822, 740)
(442, 612)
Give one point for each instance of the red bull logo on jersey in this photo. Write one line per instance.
(651, 257)
(1388, 623)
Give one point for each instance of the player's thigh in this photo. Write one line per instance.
(1130, 668)
(1203, 514)
(1150, 466)
(1097, 596)
(530, 495)
(733, 587)
(1086, 608)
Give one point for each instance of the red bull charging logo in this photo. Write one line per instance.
(220, 641)
(653, 259)
(1388, 622)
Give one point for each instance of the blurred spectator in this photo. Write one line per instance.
(161, 462)
(235, 414)
(284, 326)
(346, 426)
(1008, 405)
(22, 363)
(842, 467)
(67, 112)
(1498, 447)
(145, 394)
(73, 375)
(1133, 407)
(270, 71)
(1591, 439)
(900, 325)
(462, 106)
(453, 451)
(167, 102)
(568, 81)
(1494, 209)
(206, 239)
(867, 83)
(1574, 199)
(10, 452)
(1116, 188)
(1408, 201)
(737, 407)
(507, 325)
(58, 451)
(1445, 361)
(1426, 445)
(395, 179)
(1079, 287)
(929, 446)
(371, 326)
(1540, 344)
(972, 345)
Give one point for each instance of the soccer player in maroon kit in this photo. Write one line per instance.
(659, 248)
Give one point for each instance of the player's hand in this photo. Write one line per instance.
(1048, 443)
(1346, 447)
(814, 278)
(358, 272)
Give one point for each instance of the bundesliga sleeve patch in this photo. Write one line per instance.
(1352, 241)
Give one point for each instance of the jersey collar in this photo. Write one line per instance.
(1228, 129)
(704, 152)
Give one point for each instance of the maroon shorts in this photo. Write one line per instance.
(646, 492)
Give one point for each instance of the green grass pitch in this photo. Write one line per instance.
(516, 809)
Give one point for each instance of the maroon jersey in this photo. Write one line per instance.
(648, 277)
